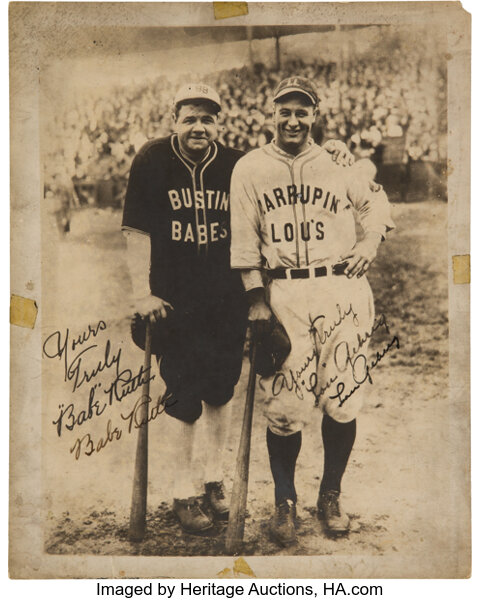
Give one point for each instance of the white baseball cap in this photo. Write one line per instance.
(197, 91)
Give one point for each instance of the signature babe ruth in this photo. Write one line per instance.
(177, 222)
(293, 218)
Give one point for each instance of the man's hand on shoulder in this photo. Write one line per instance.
(340, 153)
(362, 255)
(153, 307)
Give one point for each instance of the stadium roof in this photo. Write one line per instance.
(121, 39)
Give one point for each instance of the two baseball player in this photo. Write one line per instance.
(293, 217)
(177, 222)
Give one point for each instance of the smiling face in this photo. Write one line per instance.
(196, 126)
(294, 118)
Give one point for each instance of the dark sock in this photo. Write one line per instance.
(283, 452)
(338, 440)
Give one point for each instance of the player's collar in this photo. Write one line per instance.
(188, 161)
(311, 146)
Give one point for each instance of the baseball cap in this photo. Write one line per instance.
(300, 85)
(197, 91)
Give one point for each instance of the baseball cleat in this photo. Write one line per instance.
(331, 512)
(282, 526)
(191, 516)
(215, 495)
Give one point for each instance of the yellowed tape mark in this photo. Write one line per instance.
(461, 268)
(23, 311)
(240, 567)
(225, 10)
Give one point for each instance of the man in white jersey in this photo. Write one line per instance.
(292, 213)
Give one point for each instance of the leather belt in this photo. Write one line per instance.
(308, 272)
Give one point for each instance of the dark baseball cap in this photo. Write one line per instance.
(300, 85)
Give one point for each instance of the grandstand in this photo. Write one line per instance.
(387, 101)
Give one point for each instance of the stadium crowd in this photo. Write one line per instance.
(362, 102)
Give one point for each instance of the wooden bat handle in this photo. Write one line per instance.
(238, 504)
(138, 510)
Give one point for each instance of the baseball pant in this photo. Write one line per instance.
(202, 359)
(329, 321)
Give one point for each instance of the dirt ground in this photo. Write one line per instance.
(394, 487)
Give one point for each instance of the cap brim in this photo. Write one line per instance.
(295, 90)
(197, 99)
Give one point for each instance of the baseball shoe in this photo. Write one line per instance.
(215, 495)
(282, 526)
(191, 516)
(331, 512)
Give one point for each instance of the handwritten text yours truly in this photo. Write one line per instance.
(56, 346)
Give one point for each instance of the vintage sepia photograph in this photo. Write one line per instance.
(240, 268)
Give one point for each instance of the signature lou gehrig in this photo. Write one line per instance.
(293, 219)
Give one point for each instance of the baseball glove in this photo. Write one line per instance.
(273, 347)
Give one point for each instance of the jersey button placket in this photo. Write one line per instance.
(197, 215)
(305, 225)
(294, 208)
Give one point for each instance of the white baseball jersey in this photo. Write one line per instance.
(292, 212)
(298, 211)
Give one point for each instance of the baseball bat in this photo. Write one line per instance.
(238, 503)
(138, 509)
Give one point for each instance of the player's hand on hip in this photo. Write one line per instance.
(153, 307)
(340, 153)
(361, 255)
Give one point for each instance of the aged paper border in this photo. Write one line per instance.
(27, 559)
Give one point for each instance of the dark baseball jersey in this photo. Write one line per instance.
(185, 209)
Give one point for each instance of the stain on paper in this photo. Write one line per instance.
(226, 10)
(449, 169)
(23, 311)
(240, 567)
(461, 268)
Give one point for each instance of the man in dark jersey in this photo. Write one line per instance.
(178, 201)
(177, 219)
